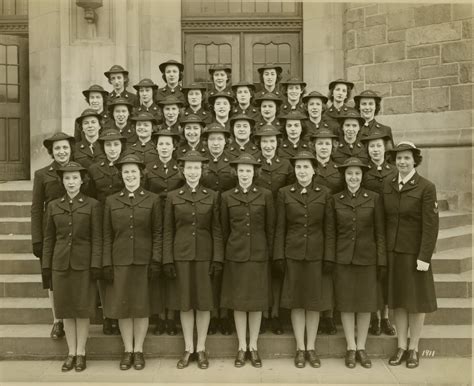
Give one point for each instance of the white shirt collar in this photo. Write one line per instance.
(407, 178)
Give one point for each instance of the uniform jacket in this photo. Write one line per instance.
(201, 148)
(369, 127)
(147, 151)
(161, 178)
(104, 180)
(329, 176)
(325, 123)
(235, 150)
(288, 149)
(104, 120)
(248, 224)
(165, 91)
(251, 111)
(373, 179)
(273, 177)
(261, 90)
(412, 217)
(344, 151)
(259, 122)
(202, 113)
(128, 131)
(84, 155)
(286, 107)
(129, 96)
(153, 109)
(333, 113)
(360, 228)
(133, 233)
(46, 187)
(192, 230)
(305, 224)
(73, 234)
(213, 91)
(219, 176)
(175, 128)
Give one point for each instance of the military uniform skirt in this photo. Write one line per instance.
(128, 296)
(157, 295)
(192, 287)
(246, 286)
(74, 295)
(305, 286)
(356, 288)
(408, 288)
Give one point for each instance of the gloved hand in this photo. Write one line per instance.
(46, 273)
(422, 265)
(279, 267)
(328, 267)
(381, 272)
(169, 270)
(154, 270)
(96, 273)
(38, 249)
(108, 274)
(215, 268)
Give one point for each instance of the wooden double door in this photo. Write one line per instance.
(244, 51)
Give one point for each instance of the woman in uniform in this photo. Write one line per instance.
(121, 112)
(241, 128)
(248, 222)
(72, 255)
(220, 77)
(304, 242)
(46, 187)
(293, 90)
(193, 128)
(131, 258)
(145, 146)
(118, 78)
(315, 104)
(411, 211)
(294, 134)
(270, 76)
(361, 258)
(194, 95)
(268, 105)
(192, 254)
(244, 94)
(171, 106)
(172, 75)
(88, 150)
(96, 98)
(339, 93)
(221, 104)
(147, 90)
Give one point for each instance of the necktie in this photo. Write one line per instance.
(91, 146)
(400, 185)
(304, 191)
(165, 167)
(379, 168)
(131, 196)
(268, 161)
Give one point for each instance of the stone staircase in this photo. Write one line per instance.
(25, 316)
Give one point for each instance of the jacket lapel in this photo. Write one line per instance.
(78, 202)
(64, 203)
(410, 185)
(295, 192)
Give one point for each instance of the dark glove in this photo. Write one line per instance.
(215, 268)
(279, 267)
(169, 270)
(154, 270)
(108, 274)
(46, 274)
(96, 273)
(328, 267)
(381, 272)
(38, 250)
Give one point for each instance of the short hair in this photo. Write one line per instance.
(49, 148)
(378, 104)
(163, 76)
(126, 79)
(417, 158)
(278, 79)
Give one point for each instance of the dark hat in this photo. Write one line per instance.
(402, 146)
(302, 155)
(163, 65)
(221, 94)
(116, 69)
(270, 66)
(216, 127)
(220, 67)
(294, 81)
(245, 158)
(130, 159)
(88, 113)
(144, 116)
(193, 156)
(145, 83)
(71, 167)
(243, 83)
(294, 114)
(315, 94)
(267, 130)
(353, 161)
(119, 101)
(59, 136)
(167, 133)
(194, 86)
(239, 117)
(268, 96)
(350, 85)
(323, 133)
(192, 118)
(375, 135)
(111, 135)
(367, 94)
(353, 114)
(170, 100)
(95, 88)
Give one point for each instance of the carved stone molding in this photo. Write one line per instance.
(14, 27)
(226, 25)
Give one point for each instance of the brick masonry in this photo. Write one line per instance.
(417, 56)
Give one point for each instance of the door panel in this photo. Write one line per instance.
(14, 102)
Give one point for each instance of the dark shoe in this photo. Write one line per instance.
(350, 359)
(225, 325)
(203, 362)
(300, 360)
(127, 361)
(330, 326)
(255, 358)
(81, 363)
(276, 326)
(412, 359)
(107, 326)
(159, 327)
(212, 329)
(387, 327)
(57, 332)
(171, 327)
(69, 363)
(363, 358)
(313, 358)
(115, 327)
(240, 359)
(138, 361)
(184, 361)
(264, 325)
(375, 328)
(322, 326)
(398, 358)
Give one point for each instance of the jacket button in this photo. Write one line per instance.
(193, 223)
(248, 234)
(194, 234)
(353, 209)
(306, 215)
(247, 214)
(110, 186)
(70, 234)
(193, 214)
(70, 223)
(353, 218)
(131, 216)
(69, 244)
(305, 236)
(247, 224)
(305, 225)
(353, 239)
(131, 237)
(131, 226)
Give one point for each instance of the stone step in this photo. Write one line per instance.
(19, 263)
(33, 342)
(450, 219)
(15, 225)
(454, 311)
(456, 260)
(15, 209)
(16, 191)
(22, 286)
(15, 243)
(458, 237)
(449, 285)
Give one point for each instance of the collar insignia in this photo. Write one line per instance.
(181, 192)
(155, 166)
(366, 195)
(81, 200)
(293, 189)
(204, 191)
(175, 167)
(62, 199)
(82, 146)
(122, 194)
(254, 189)
(341, 196)
(412, 182)
(236, 190)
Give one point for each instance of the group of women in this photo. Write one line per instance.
(239, 199)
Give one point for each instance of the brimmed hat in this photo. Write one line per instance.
(119, 101)
(192, 118)
(170, 100)
(243, 117)
(111, 135)
(95, 88)
(293, 81)
(220, 67)
(166, 133)
(246, 159)
(303, 155)
(145, 83)
(221, 94)
(130, 159)
(194, 86)
(349, 85)
(144, 116)
(216, 127)
(163, 65)
(352, 161)
(367, 94)
(116, 69)
(267, 130)
(193, 156)
(88, 113)
(375, 135)
(59, 136)
(315, 94)
(323, 133)
(268, 96)
(294, 114)
(351, 114)
(71, 167)
(402, 146)
(269, 66)
(243, 83)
